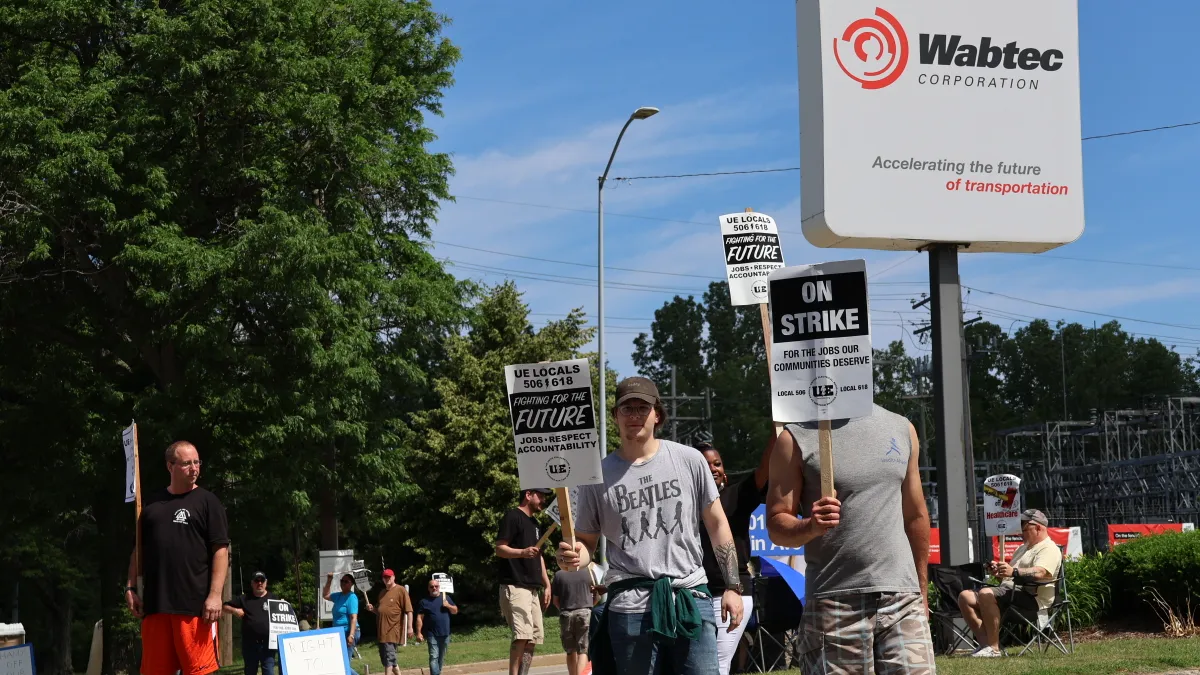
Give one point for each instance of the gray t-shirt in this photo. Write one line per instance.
(573, 589)
(651, 515)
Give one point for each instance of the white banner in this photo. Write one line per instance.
(128, 441)
(820, 342)
(554, 424)
(1001, 505)
(752, 252)
(445, 581)
(281, 617)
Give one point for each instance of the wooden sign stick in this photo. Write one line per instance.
(765, 315)
(545, 537)
(825, 442)
(563, 495)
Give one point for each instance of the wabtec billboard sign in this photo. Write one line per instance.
(913, 111)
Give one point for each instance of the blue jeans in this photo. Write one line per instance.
(255, 655)
(637, 651)
(437, 652)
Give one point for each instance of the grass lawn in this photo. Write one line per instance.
(482, 643)
(1090, 658)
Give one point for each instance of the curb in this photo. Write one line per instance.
(487, 666)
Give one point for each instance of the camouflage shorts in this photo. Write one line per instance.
(861, 634)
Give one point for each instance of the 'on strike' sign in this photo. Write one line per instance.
(554, 424)
(821, 342)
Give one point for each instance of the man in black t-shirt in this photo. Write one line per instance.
(185, 556)
(522, 572)
(256, 626)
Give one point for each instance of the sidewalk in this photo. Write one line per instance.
(549, 664)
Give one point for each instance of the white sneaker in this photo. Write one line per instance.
(986, 653)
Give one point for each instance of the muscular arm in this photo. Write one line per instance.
(784, 526)
(722, 542)
(916, 515)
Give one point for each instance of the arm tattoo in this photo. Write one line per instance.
(726, 555)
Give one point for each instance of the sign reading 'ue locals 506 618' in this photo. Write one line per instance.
(554, 425)
(751, 253)
(821, 342)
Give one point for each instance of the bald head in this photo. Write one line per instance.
(174, 448)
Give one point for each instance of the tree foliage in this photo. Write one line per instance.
(211, 220)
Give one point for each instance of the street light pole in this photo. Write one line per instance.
(639, 114)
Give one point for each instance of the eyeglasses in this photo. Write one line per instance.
(260, 581)
(346, 582)
(634, 410)
(190, 462)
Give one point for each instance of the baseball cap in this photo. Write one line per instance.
(389, 573)
(1035, 516)
(639, 388)
(259, 575)
(544, 491)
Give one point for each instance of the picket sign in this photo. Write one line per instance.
(820, 349)
(133, 492)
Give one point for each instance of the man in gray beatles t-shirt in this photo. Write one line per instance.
(655, 498)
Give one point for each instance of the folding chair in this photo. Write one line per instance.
(762, 621)
(950, 581)
(1040, 623)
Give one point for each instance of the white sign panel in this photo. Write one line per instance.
(751, 253)
(940, 121)
(445, 582)
(339, 562)
(820, 342)
(127, 442)
(315, 652)
(17, 660)
(1001, 505)
(281, 620)
(554, 424)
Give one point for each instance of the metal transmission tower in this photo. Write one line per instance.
(1122, 466)
(689, 429)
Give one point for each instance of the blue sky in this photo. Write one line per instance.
(543, 88)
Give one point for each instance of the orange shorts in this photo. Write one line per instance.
(174, 642)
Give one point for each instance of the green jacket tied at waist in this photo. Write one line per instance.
(673, 614)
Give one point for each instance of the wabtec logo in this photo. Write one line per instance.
(946, 50)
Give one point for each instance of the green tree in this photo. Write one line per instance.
(462, 462)
(213, 219)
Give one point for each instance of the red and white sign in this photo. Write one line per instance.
(1068, 539)
(927, 121)
(1002, 505)
(1119, 534)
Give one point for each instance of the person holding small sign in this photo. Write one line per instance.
(659, 614)
(251, 608)
(345, 606)
(433, 624)
(866, 545)
(395, 612)
(522, 572)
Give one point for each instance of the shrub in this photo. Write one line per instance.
(1089, 589)
(1167, 564)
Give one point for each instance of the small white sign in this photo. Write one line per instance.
(445, 581)
(315, 652)
(820, 342)
(554, 424)
(17, 660)
(1001, 505)
(752, 252)
(556, 515)
(128, 436)
(281, 618)
(940, 121)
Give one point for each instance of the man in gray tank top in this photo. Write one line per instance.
(866, 548)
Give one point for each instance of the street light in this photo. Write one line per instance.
(639, 114)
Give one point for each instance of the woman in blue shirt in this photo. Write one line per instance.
(345, 606)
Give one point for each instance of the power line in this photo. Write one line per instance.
(1083, 311)
(1116, 262)
(577, 264)
(796, 168)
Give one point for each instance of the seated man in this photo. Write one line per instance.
(1037, 560)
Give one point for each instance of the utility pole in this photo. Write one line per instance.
(676, 398)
